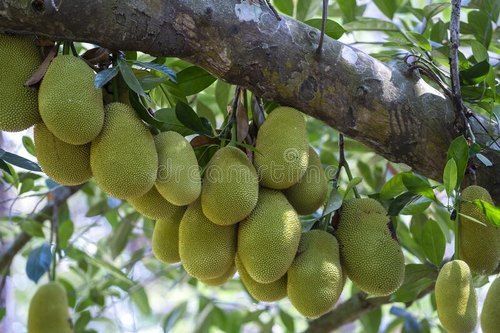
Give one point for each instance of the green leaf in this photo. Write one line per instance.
(307, 9)
(416, 206)
(188, 117)
(371, 321)
(29, 145)
(439, 32)
(222, 93)
(334, 202)
(434, 9)
(398, 203)
(352, 183)
(419, 40)
(32, 228)
(105, 76)
(287, 321)
(65, 231)
(477, 71)
(332, 28)
(159, 68)
(450, 176)
(371, 24)
(140, 299)
(418, 185)
(174, 316)
(19, 161)
(119, 238)
(392, 187)
(388, 7)
(130, 78)
(194, 79)
(480, 23)
(478, 50)
(433, 242)
(284, 6)
(459, 151)
(348, 8)
(491, 212)
(170, 122)
(417, 278)
(27, 185)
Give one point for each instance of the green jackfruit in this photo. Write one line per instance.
(282, 149)
(154, 206)
(490, 315)
(219, 281)
(70, 105)
(19, 59)
(269, 237)
(179, 179)
(123, 156)
(165, 242)
(230, 187)
(66, 164)
(48, 312)
(456, 301)
(310, 192)
(315, 279)
(370, 254)
(479, 244)
(207, 250)
(263, 292)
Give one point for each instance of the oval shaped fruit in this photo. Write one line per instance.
(490, 319)
(282, 150)
(315, 279)
(456, 301)
(19, 59)
(206, 249)
(70, 105)
(230, 187)
(165, 242)
(219, 281)
(66, 164)
(370, 253)
(479, 244)
(154, 206)
(179, 179)
(48, 311)
(269, 237)
(310, 192)
(123, 157)
(262, 292)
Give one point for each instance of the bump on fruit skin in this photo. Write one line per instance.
(206, 249)
(165, 242)
(262, 292)
(123, 157)
(230, 187)
(282, 149)
(479, 244)
(66, 164)
(269, 237)
(179, 179)
(219, 281)
(48, 311)
(370, 256)
(456, 300)
(315, 279)
(19, 59)
(70, 105)
(310, 192)
(154, 206)
(490, 318)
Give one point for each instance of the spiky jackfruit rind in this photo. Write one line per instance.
(67, 164)
(206, 249)
(490, 318)
(70, 105)
(371, 256)
(179, 179)
(123, 157)
(269, 237)
(154, 206)
(219, 281)
(165, 240)
(48, 311)
(282, 150)
(456, 300)
(230, 187)
(19, 59)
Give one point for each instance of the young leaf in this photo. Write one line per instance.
(418, 185)
(129, 78)
(433, 242)
(392, 187)
(38, 262)
(29, 145)
(332, 28)
(459, 151)
(491, 212)
(450, 176)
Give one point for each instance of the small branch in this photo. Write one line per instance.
(323, 28)
(343, 164)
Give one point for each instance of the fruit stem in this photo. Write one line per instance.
(457, 227)
(343, 164)
(66, 48)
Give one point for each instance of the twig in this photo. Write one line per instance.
(323, 28)
(343, 164)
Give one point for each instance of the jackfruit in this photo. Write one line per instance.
(479, 244)
(310, 192)
(206, 249)
(70, 105)
(154, 206)
(269, 237)
(315, 279)
(48, 311)
(490, 318)
(456, 298)
(165, 242)
(218, 281)
(66, 164)
(230, 187)
(282, 150)
(179, 179)
(123, 157)
(19, 59)
(263, 292)
(370, 254)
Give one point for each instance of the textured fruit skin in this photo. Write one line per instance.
(70, 105)
(490, 315)
(282, 149)
(230, 187)
(479, 244)
(207, 250)
(123, 157)
(165, 242)
(268, 239)
(154, 206)
(19, 58)
(179, 179)
(370, 256)
(310, 192)
(66, 164)
(48, 312)
(315, 279)
(456, 298)
(263, 292)
(219, 281)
